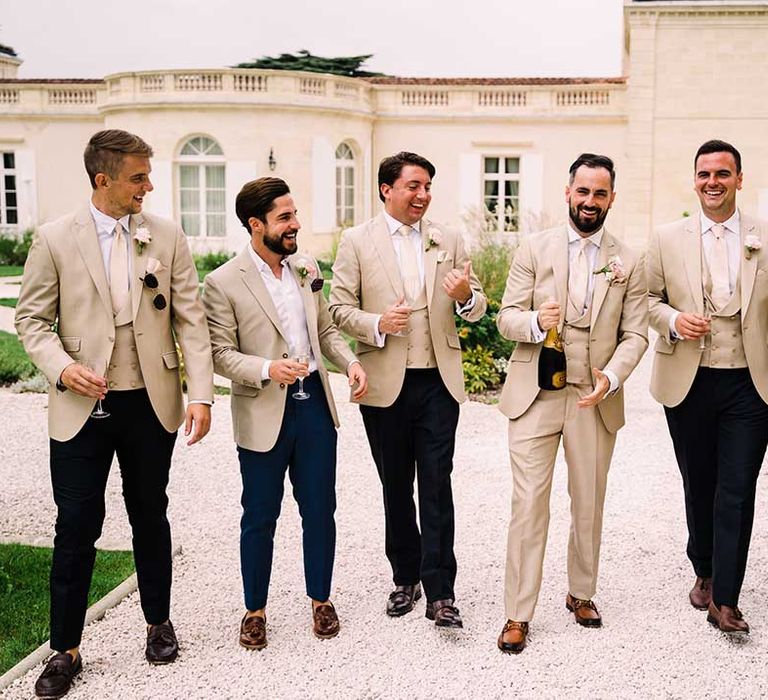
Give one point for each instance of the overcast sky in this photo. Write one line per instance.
(440, 38)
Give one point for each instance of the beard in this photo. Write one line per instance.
(587, 225)
(280, 245)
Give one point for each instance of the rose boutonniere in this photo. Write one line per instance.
(614, 271)
(304, 271)
(142, 237)
(434, 237)
(751, 244)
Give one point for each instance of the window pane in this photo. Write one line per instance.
(512, 165)
(214, 224)
(491, 165)
(191, 224)
(190, 201)
(11, 216)
(211, 148)
(10, 182)
(511, 188)
(189, 176)
(10, 199)
(9, 161)
(214, 176)
(214, 201)
(349, 197)
(344, 152)
(491, 188)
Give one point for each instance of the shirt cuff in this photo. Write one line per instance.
(613, 380)
(377, 336)
(537, 335)
(202, 401)
(673, 334)
(352, 362)
(462, 308)
(265, 370)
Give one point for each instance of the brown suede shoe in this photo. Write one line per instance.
(701, 593)
(56, 678)
(513, 637)
(253, 632)
(584, 611)
(727, 619)
(325, 621)
(444, 613)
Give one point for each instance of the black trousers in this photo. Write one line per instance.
(416, 436)
(79, 471)
(720, 432)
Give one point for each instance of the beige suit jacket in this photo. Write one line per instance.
(618, 332)
(675, 284)
(246, 331)
(64, 315)
(367, 281)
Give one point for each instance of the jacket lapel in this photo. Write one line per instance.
(308, 301)
(748, 267)
(692, 261)
(559, 255)
(382, 241)
(430, 260)
(607, 249)
(252, 279)
(88, 244)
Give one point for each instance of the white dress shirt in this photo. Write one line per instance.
(592, 252)
(732, 227)
(105, 233)
(393, 225)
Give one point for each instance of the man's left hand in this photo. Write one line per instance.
(602, 384)
(198, 421)
(357, 375)
(456, 284)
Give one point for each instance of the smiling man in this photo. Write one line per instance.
(89, 320)
(708, 292)
(397, 281)
(583, 282)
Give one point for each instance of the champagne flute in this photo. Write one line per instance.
(301, 355)
(707, 317)
(98, 411)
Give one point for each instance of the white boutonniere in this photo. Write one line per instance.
(614, 271)
(154, 266)
(434, 237)
(751, 244)
(304, 271)
(142, 237)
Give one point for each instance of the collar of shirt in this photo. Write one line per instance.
(261, 265)
(732, 224)
(596, 237)
(105, 224)
(393, 224)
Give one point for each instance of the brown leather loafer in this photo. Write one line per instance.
(325, 621)
(56, 678)
(727, 619)
(403, 599)
(253, 632)
(701, 593)
(513, 637)
(162, 646)
(444, 613)
(584, 611)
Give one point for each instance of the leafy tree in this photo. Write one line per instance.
(303, 60)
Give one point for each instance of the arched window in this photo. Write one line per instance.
(202, 192)
(345, 186)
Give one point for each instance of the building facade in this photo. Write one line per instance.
(693, 71)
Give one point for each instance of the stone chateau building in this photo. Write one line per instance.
(692, 71)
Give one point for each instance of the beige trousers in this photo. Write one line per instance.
(533, 441)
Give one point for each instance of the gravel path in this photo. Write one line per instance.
(653, 643)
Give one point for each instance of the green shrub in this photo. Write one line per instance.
(14, 250)
(14, 363)
(209, 262)
(481, 371)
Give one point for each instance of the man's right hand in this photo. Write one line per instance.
(549, 315)
(84, 381)
(287, 371)
(691, 326)
(395, 318)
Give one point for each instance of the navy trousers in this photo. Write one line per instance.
(79, 471)
(720, 432)
(306, 448)
(415, 437)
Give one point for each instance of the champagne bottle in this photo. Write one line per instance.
(552, 362)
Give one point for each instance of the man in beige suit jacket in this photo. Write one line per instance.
(270, 326)
(398, 280)
(708, 287)
(584, 282)
(107, 291)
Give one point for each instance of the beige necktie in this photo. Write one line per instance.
(409, 268)
(718, 268)
(118, 270)
(578, 277)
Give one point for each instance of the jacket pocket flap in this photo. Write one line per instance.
(522, 353)
(453, 341)
(361, 348)
(243, 390)
(664, 346)
(171, 359)
(70, 343)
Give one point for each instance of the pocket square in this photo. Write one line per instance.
(443, 256)
(154, 266)
(317, 284)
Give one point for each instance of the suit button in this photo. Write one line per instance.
(111, 339)
(133, 384)
(133, 347)
(133, 365)
(408, 362)
(111, 385)
(282, 386)
(112, 366)
(285, 355)
(733, 335)
(714, 332)
(714, 347)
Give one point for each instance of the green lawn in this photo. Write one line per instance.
(24, 597)
(8, 301)
(11, 270)
(14, 363)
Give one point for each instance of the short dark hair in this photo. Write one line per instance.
(391, 167)
(257, 199)
(591, 160)
(107, 149)
(717, 146)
